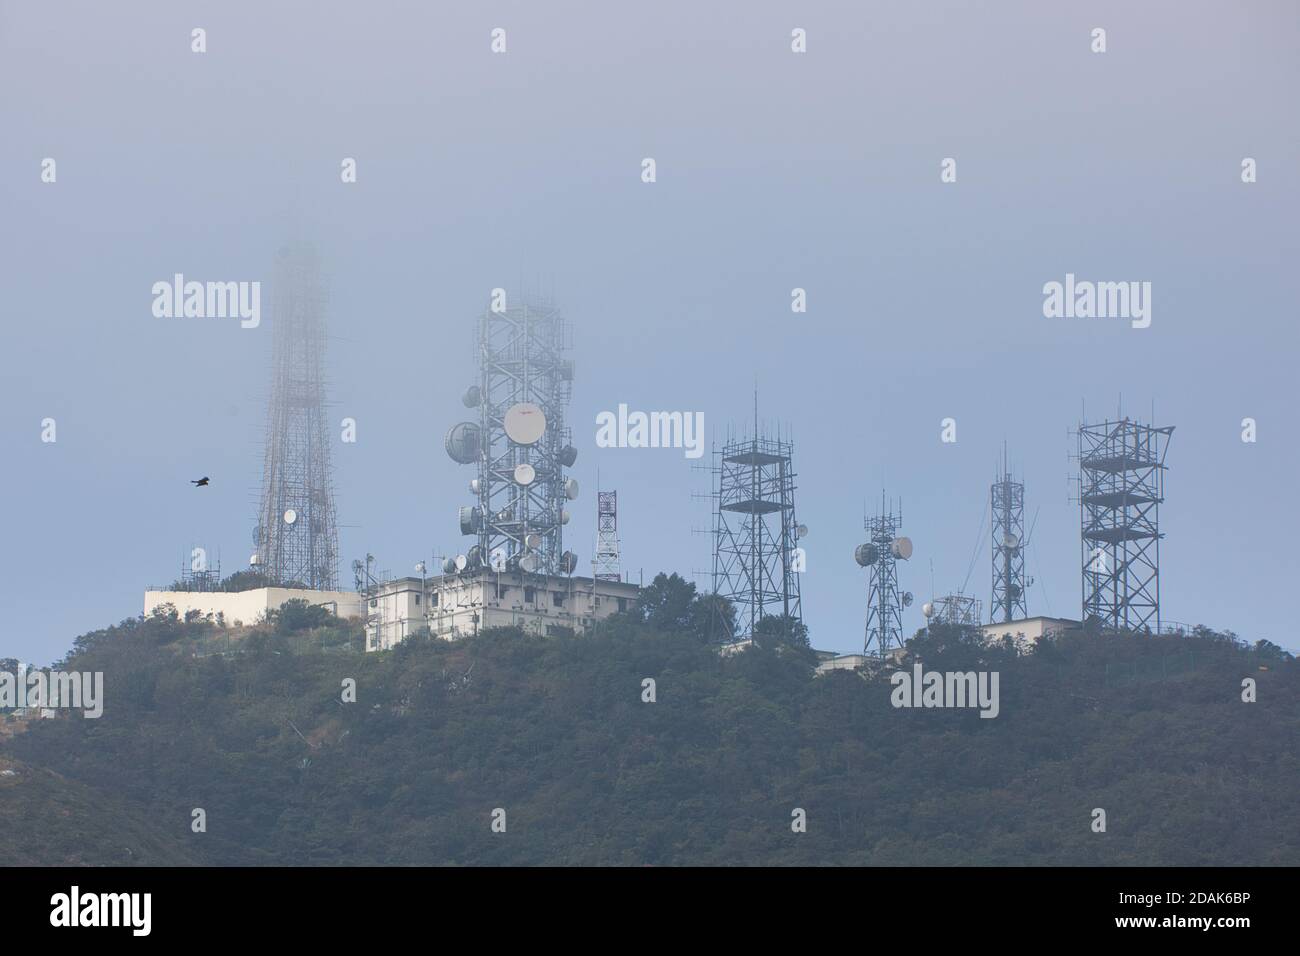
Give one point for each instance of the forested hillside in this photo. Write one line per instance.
(252, 728)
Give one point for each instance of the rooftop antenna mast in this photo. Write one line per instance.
(520, 444)
(606, 566)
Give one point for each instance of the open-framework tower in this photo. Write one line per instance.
(756, 556)
(606, 566)
(296, 535)
(1121, 486)
(520, 443)
(1008, 507)
(885, 603)
(958, 610)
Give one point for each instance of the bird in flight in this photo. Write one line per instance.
(201, 483)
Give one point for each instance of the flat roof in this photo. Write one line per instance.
(521, 577)
(1036, 617)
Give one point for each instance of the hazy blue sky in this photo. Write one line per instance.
(775, 170)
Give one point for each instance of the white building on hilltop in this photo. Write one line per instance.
(1031, 629)
(459, 605)
(249, 607)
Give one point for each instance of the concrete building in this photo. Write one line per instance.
(845, 662)
(1031, 629)
(732, 648)
(459, 605)
(249, 607)
(855, 662)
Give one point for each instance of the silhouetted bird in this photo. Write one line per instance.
(201, 483)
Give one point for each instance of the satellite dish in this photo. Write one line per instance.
(420, 567)
(1013, 591)
(529, 562)
(928, 610)
(568, 562)
(564, 517)
(571, 488)
(462, 562)
(290, 516)
(255, 560)
(524, 423)
(462, 443)
(533, 541)
(866, 554)
(524, 474)
(1011, 540)
(474, 556)
(907, 599)
(901, 548)
(567, 456)
(470, 520)
(473, 486)
(801, 531)
(472, 397)
(449, 566)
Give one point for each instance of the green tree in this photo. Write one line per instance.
(297, 615)
(1271, 653)
(781, 629)
(668, 603)
(244, 581)
(713, 618)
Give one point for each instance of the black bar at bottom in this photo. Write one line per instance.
(336, 905)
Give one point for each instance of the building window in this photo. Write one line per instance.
(622, 604)
(374, 602)
(433, 598)
(529, 595)
(417, 600)
(557, 598)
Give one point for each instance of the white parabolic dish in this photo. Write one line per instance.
(524, 423)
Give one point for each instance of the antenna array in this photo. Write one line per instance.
(520, 443)
(1008, 500)
(885, 602)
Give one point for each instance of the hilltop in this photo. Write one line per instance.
(250, 726)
